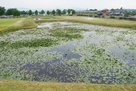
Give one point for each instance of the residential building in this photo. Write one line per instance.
(85, 12)
(117, 12)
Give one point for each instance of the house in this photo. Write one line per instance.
(85, 12)
(103, 12)
(117, 12)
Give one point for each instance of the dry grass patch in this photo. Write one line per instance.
(14, 85)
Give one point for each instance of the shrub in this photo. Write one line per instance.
(112, 17)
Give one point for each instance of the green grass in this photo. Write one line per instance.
(8, 21)
(29, 23)
(15, 85)
(10, 24)
(46, 18)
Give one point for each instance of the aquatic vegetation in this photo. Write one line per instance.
(103, 66)
(69, 52)
(34, 43)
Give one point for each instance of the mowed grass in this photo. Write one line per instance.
(8, 21)
(15, 85)
(16, 23)
(99, 21)
(108, 23)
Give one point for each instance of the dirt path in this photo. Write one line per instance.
(21, 20)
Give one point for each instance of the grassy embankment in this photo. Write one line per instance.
(16, 23)
(14, 85)
(96, 21)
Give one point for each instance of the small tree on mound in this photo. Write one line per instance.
(36, 12)
(48, 12)
(53, 12)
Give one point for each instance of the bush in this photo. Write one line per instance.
(123, 18)
(96, 16)
(103, 16)
(131, 18)
(90, 15)
(112, 17)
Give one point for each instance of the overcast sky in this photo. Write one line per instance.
(65, 4)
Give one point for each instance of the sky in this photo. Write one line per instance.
(66, 4)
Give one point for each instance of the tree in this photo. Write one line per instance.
(36, 12)
(53, 12)
(95, 10)
(23, 12)
(9, 12)
(69, 11)
(48, 12)
(73, 12)
(58, 11)
(30, 12)
(13, 12)
(2, 10)
(64, 11)
(112, 9)
(16, 12)
(42, 12)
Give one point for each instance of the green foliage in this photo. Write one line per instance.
(92, 9)
(23, 12)
(112, 17)
(42, 12)
(36, 12)
(30, 12)
(73, 12)
(2, 10)
(13, 12)
(130, 13)
(58, 11)
(53, 12)
(33, 43)
(69, 11)
(48, 12)
(64, 11)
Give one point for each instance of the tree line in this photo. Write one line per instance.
(16, 12)
(61, 12)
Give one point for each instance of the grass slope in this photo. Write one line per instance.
(16, 23)
(14, 85)
(99, 21)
